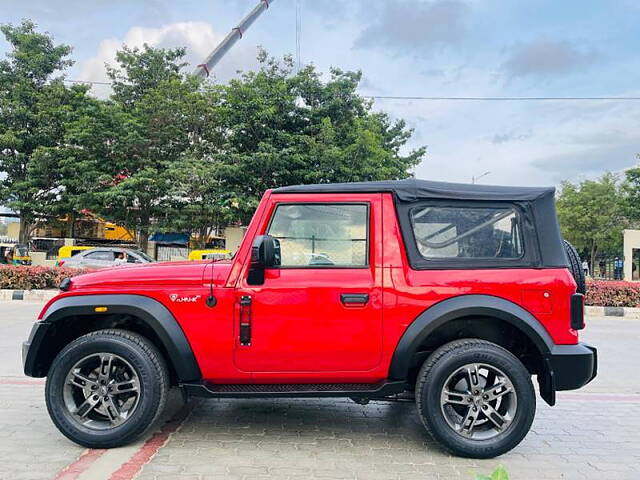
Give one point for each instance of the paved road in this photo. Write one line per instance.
(591, 434)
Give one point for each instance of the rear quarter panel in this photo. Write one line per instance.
(545, 293)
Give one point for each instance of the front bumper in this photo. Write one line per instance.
(567, 367)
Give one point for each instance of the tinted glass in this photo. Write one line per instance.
(321, 235)
(467, 232)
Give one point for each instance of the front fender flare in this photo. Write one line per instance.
(464, 306)
(150, 311)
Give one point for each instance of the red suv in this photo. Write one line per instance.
(454, 294)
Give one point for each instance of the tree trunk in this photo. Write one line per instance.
(594, 249)
(71, 225)
(25, 229)
(143, 239)
(202, 238)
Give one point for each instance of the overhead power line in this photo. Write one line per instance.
(480, 99)
(501, 99)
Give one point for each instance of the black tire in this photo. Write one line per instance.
(152, 385)
(449, 359)
(575, 267)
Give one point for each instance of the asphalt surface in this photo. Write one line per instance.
(591, 434)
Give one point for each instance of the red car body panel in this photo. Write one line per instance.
(301, 332)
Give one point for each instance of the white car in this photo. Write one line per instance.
(102, 257)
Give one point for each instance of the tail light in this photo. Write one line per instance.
(577, 311)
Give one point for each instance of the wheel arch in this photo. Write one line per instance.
(73, 316)
(462, 311)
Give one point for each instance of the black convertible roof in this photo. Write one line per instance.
(412, 189)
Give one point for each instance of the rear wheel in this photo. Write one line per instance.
(106, 388)
(475, 398)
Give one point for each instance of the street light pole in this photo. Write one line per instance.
(475, 179)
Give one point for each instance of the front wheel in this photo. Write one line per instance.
(106, 388)
(475, 398)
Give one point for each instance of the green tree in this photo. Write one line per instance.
(631, 194)
(285, 128)
(198, 202)
(159, 107)
(592, 215)
(35, 107)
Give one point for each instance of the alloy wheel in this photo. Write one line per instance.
(478, 401)
(101, 391)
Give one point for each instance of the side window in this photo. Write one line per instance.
(446, 232)
(321, 234)
(100, 255)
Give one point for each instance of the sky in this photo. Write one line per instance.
(434, 48)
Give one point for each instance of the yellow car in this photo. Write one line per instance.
(216, 254)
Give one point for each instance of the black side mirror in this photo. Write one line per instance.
(265, 253)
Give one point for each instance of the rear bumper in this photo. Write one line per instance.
(567, 367)
(573, 366)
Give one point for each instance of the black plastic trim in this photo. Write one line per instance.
(382, 389)
(458, 307)
(573, 366)
(354, 298)
(150, 311)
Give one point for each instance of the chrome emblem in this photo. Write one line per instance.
(184, 298)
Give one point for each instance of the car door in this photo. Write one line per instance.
(321, 310)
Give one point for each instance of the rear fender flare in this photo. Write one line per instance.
(459, 307)
(150, 311)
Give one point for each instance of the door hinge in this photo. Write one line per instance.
(245, 320)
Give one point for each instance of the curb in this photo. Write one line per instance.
(28, 295)
(626, 312)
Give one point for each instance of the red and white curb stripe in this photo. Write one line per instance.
(123, 463)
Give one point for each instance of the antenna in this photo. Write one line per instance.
(203, 70)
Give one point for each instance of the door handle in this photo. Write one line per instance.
(354, 298)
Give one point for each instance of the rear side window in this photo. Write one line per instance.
(464, 232)
(321, 234)
(100, 255)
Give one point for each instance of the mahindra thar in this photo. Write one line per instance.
(455, 295)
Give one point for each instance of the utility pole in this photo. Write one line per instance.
(475, 179)
(203, 70)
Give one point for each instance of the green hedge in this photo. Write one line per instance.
(30, 278)
(602, 293)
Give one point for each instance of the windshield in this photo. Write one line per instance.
(144, 255)
(21, 251)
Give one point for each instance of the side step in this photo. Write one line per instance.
(354, 390)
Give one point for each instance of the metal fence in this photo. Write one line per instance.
(608, 267)
(166, 253)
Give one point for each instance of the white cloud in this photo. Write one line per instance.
(199, 38)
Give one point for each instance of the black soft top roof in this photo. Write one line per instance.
(538, 205)
(412, 189)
